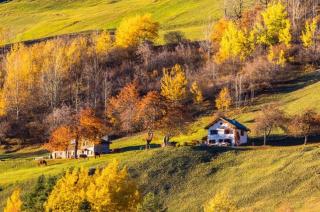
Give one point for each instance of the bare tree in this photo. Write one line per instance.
(305, 124)
(270, 118)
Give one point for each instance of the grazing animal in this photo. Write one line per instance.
(42, 162)
(97, 154)
(84, 156)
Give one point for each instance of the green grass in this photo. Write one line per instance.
(185, 178)
(29, 20)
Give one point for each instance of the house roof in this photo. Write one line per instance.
(233, 122)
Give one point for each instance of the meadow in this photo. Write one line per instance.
(276, 176)
(83, 15)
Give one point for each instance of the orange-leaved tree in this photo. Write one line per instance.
(60, 139)
(150, 110)
(86, 126)
(122, 108)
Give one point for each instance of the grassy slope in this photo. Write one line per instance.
(185, 178)
(41, 18)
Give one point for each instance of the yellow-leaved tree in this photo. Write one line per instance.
(196, 92)
(112, 190)
(103, 42)
(69, 192)
(234, 44)
(308, 35)
(174, 83)
(14, 202)
(220, 202)
(108, 190)
(276, 55)
(223, 101)
(275, 26)
(19, 80)
(133, 31)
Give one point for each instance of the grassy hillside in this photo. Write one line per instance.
(186, 177)
(41, 18)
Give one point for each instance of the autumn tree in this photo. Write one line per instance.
(222, 201)
(174, 120)
(270, 118)
(275, 26)
(109, 189)
(276, 55)
(122, 108)
(174, 84)
(14, 202)
(69, 192)
(151, 109)
(103, 42)
(224, 100)
(60, 139)
(19, 80)
(86, 126)
(218, 30)
(234, 44)
(133, 31)
(113, 190)
(196, 92)
(308, 35)
(305, 124)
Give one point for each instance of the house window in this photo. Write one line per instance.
(213, 132)
(227, 141)
(227, 131)
(242, 133)
(220, 140)
(212, 141)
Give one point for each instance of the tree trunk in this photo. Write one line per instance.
(264, 139)
(76, 148)
(305, 140)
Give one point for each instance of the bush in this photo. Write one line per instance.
(220, 202)
(34, 200)
(174, 37)
(151, 203)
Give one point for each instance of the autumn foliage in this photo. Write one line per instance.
(14, 202)
(109, 189)
(135, 30)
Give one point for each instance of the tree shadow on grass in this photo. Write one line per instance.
(293, 84)
(138, 147)
(14, 155)
(284, 141)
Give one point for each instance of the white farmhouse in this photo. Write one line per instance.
(224, 131)
(87, 148)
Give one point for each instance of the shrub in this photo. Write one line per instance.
(220, 202)
(174, 37)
